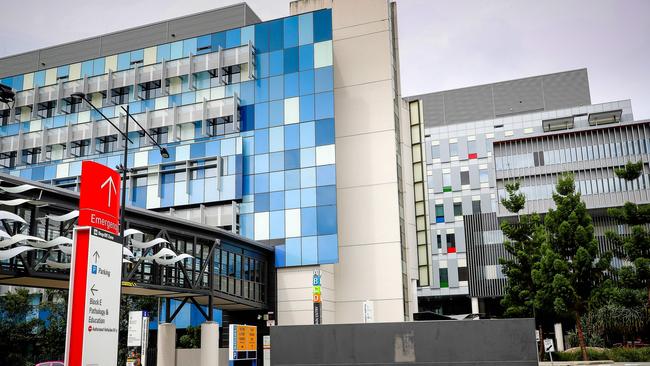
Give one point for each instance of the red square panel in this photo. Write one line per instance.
(451, 250)
(472, 156)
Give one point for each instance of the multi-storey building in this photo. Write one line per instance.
(277, 130)
(477, 139)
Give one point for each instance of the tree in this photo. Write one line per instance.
(131, 303)
(52, 339)
(18, 328)
(634, 247)
(525, 237)
(571, 269)
(191, 338)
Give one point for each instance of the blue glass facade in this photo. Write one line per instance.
(279, 164)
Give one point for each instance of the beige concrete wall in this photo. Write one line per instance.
(295, 304)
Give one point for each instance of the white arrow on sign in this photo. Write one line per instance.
(111, 187)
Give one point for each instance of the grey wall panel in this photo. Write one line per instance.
(467, 205)
(458, 342)
(469, 104)
(455, 178)
(452, 265)
(567, 89)
(474, 180)
(460, 240)
(435, 267)
(433, 109)
(462, 147)
(444, 150)
(132, 39)
(211, 21)
(437, 180)
(449, 209)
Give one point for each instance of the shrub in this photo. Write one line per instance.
(625, 354)
(576, 355)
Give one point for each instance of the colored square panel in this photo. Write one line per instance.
(262, 141)
(324, 132)
(308, 222)
(328, 249)
(276, 139)
(292, 179)
(247, 35)
(277, 203)
(276, 63)
(291, 110)
(204, 44)
(276, 161)
(262, 202)
(261, 183)
(324, 79)
(291, 137)
(325, 155)
(292, 199)
(233, 38)
(261, 90)
(307, 157)
(291, 63)
(197, 190)
(306, 57)
(307, 82)
(261, 221)
(472, 156)
(277, 225)
(163, 52)
(322, 25)
(276, 34)
(326, 220)
(247, 115)
(280, 256)
(326, 195)
(305, 29)
(322, 54)
(123, 61)
(308, 197)
(176, 50)
(276, 113)
(263, 65)
(324, 105)
(307, 134)
(261, 163)
(309, 250)
(291, 85)
(292, 159)
(261, 115)
(293, 251)
(262, 37)
(276, 181)
(307, 108)
(290, 31)
(325, 175)
(276, 88)
(307, 177)
(180, 193)
(189, 47)
(292, 223)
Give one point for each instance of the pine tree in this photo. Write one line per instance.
(635, 247)
(524, 238)
(571, 268)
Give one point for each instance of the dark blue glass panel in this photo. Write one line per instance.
(276, 161)
(261, 115)
(308, 222)
(326, 195)
(291, 85)
(276, 111)
(306, 57)
(248, 184)
(247, 117)
(276, 88)
(324, 132)
(261, 90)
(324, 79)
(326, 220)
(276, 30)
(290, 32)
(262, 62)
(306, 108)
(322, 25)
(172, 154)
(328, 250)
(50, 172)
(233, 38)
(38, 173)
(140, 197)
(280, 256)
(154, 157)
(247, 93)
(218, 40)
(123, 61)
(277, 201)
(137, 55)
(262, 202)
(292, 159)
(197, 150)
(204, 44)
(292, 137)
(291, 60)
(324, 105)
(307, 82)
(262, 37)
(261, 183)
(99, 65)
(276, 61)
(249, 164)
(262, 141)
(163, 52)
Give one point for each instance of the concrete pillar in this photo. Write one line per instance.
(559, 337)
(210, 344)
(475, 309)
(166, 351)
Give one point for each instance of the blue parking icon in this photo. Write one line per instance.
(93, 269)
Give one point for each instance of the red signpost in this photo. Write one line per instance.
(95, 274)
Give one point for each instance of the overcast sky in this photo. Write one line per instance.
(443, 44)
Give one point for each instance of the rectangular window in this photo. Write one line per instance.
(451, 243)
(444, 278)
(476, 206)
(440, 213)
(160, 134)
(30, 156)
(107, 144)
(458, 209)
(453, 149)
(120, 95)
(151, 89)
(8, 159)
(80, 148)
(446, 182)
(463, 274)
(483, 175)
(435, 151)
(464, 178)
(439, 241)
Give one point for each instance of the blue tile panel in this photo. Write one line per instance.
(281, 166)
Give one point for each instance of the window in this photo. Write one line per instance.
(446, 182)
(444, 278)
(4, 117)
(8, 159)
(220, 126)
(55, 152)
(464, 178)
(160, 134)
(451, 243)
(435, 151)
(120, 95)
(476, 206)
(440, 213)
(483, 175)
(538, 158)
(471, 149)
(80, 148)
(458, 209)
(463, 274)
(46, 109)
(151, 89)
(439, 239)
(30, 156)
(107, 144)
(72, 105)
(453, 149)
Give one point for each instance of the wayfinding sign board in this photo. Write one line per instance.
(242, 343)
(96, 272)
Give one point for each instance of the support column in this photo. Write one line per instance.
(559, 337)
(475, 308)
(166, 349)
(210, 344)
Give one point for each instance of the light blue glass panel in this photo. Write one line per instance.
(247, 95)
(307, 134)
(75, 169)
(307, 177)
(63, 71)
(308, 197)
(277, 201)
(307, 82)
(233, 38)
(276, 139)
(276, 230)
(290, 32)
(276, 181)
(291, 137)
(276, 161)
(87, 68)
(306, 29)
(248, 35)
(137, 55)
(213, 148)
(261, 90)
(261, 163)
(292, 179)
(189, 46)
(328, 250)
(231, 89)
(308, 221)
(261, 115)
(261, 183)
(326, 175)
(307, 157)
(123, 61)
(324, 105)
(197, 189)
(306, 108)
(276, 88)
(276, 113)
(262, 141)
(262, 63)
(291, 85)
(326, 220)
(180, 193)
(176, 50)
(309, 250)
(228, 147)
(246, 227)
(292, 199)
(324, 79)
(293, 252)
(163, 52)
(39, 78)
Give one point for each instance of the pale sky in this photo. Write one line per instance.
(443, 44)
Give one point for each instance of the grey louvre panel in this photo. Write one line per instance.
(131, 39)
(433, 109)
(211, 21)
(518, 96)
(480, 254)
(19, 64)
(568, 89)
(70, 53)
(469, 104)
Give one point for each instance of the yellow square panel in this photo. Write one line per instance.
(50, 76)
(75, 71)
(110, 64)
(28, 81)
(150, 55)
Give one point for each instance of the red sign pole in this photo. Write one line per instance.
(99, 208)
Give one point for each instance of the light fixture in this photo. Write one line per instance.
(6, 94)
(164, 153)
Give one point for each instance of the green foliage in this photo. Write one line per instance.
(52, 340)
(615, 318)
(18, 328)
(575, 355)
(191, 338)
(131, 303)
(524, 239)
(630, 171)
(571, 269)
(618, 354)
(592, 333)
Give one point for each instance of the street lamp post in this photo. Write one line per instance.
(163, 152)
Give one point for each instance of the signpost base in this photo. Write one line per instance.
(210, 344)
(166, 352)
